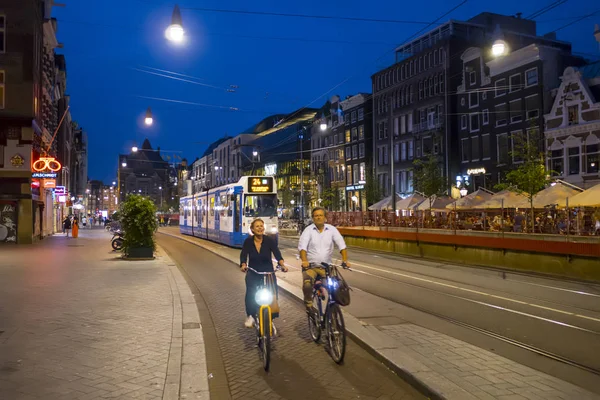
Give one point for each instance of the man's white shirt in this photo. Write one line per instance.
(319, 245)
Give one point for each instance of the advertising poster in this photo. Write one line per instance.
(8, 222)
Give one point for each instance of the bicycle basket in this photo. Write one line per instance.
(341, 293)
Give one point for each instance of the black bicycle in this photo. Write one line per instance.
(326, 314)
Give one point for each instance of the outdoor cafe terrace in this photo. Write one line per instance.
(561, 209)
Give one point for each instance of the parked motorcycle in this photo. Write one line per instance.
(117, 240)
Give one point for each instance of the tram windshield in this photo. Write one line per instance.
(260, 205)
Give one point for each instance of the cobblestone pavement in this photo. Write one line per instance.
(300, 369)
(78, 322)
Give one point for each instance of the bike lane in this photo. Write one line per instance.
(300, 368)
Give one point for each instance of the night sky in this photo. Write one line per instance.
(278, 63)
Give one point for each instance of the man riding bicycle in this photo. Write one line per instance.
(316, 246)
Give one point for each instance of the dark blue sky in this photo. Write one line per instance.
(107, 42)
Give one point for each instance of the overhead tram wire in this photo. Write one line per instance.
(577, 20)
(544, 10)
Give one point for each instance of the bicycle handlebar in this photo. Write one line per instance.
(278, 268)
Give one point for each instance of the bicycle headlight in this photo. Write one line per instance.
(331, 282)
(264, 297)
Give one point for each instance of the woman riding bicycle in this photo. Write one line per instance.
(258, 249)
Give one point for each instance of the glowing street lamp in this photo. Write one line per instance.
(175, 32)
(148, 120)
(323, 126)
(134, 149)
(499, 47)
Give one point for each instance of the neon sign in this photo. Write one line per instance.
(44, 175)
(260, 185)
(46, 164)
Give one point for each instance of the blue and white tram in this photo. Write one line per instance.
(223, 214)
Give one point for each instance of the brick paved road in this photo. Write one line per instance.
(300, 369)
(81, 324)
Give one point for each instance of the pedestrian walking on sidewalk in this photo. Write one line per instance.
(75, 227)
(67, 225)
(256, 253)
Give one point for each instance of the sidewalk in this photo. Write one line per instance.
(439, 365)
(78, 322)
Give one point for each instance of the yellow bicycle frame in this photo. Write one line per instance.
(262, 323)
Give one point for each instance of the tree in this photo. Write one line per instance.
(531, 174)
(331, 199)
(138, 221)
(372, 189)
(428, 178)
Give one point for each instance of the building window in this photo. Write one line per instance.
(2, 89)
(396, 126)
(355, 171)
(427, 145)
(385, 132)
(396, 152)
(485, 117)
(484, 95)
(465, 153)
(361, 114)
(592, 158)
(573, 160)
(573, 113)
(380, 156)
(354, 134)
(557, 162)
(353, 116)
(532, 107)
(502, 150)
(501, 118)
(475, 148)
(347, 117)
(385, 156)
(355, 152)
(2, 33)
(361, 150)
(463, 121)
(473, 99)
(403, 151)
(348, 153)
(531, 77)
(335, 139)
(362, 177)
(485, 146)
(361, 132)
(410, 149)
(347, 135)
(420, 90)
(516, 111)
(472, 78)
(474, 120)
(349, 175)
(500, 87)
(515, 82)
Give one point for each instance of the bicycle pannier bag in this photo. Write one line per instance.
(341, 294)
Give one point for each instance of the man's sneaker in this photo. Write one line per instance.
(249, 322)
(274, 329)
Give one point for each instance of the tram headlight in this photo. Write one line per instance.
(264, 297)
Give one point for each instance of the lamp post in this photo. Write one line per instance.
(148, 120)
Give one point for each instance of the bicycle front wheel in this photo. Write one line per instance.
(266, 338)
(336, 334)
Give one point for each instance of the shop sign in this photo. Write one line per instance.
(17, 161)
(271, 169)
(44, 175)
(35, 183)
(49, 183)
(60, 190)
(355, 187)
(46, 164)
(475, 171)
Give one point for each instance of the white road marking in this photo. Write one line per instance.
(475, 291)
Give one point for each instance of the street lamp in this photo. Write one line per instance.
(323, 126)
(175, 32)
(148, 120)
(499, 47)
(114, 183)
(255, 153)
(134, 149)
(123, 164)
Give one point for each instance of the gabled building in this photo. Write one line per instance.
(573, 127)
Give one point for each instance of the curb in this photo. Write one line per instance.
(352, 327)
(187, 375)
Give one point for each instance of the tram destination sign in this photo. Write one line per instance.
(260, 185)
